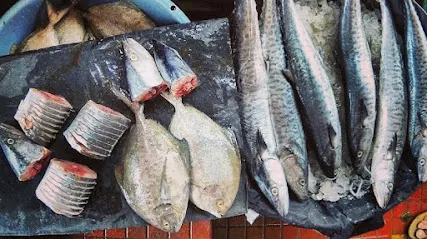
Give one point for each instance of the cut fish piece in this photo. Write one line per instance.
(25, 157)
(61, 190)
(41, 115)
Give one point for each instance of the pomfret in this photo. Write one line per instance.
(71, 28)
(256, 114)
(360, 82)
(214, 174)
(390, 132)
(314, 89)
(286, 119)
(416, 50)
(154, 172)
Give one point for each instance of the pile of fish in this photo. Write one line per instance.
(72, 25)
(286, 95)
(161, 171)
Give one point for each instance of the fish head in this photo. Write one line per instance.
(167, 219)
(362, 147)
(419, 151)
(383, 181)
(214, 199)
(295, 175)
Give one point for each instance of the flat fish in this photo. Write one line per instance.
(96, 130)
(256, 114)
(143, 77)
(71, 28)
(42, 114)
(391, 126)
(314, 89)
(214, 174)
(416, 56)
(287, 123)
(25, 157)
(174, 69)
(111, 19)
(360, 81)
(154, 172)
(61, 188)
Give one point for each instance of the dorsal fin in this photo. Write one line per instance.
(332, 134)
(391, 151)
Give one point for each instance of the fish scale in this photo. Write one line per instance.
(285, 116)
(390, 133)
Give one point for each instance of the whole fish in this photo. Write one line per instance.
(45, 37)
(143, 77)
(390, 131)
(25, 157)
(252, 81)
(286, 119)
(153, 173)
(214, 174)
(360, 82)
(416, 50)
(174, 69)
(71, 28)
(314, 89)
(116, 18)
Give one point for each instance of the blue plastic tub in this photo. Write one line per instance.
(19, 21)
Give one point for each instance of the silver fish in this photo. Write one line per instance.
(390, 131)
(360, 81)
(416, 50)
(286, 119)
(174, 69)
(314, 89)
(25, 157)
(214, 174)
(154, 172)
(256, 114)
(144, 79)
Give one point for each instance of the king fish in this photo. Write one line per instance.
(314, 89)
(416, 50)
(256, 112)
(391, 125)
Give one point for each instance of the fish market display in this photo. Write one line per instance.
(360, 81)
(286, 119)
(71, 28)
(96, 130)
(256, 114)
(174, 70)
(416, 50)
(314, 89)
(47, 36)
(25, 157)
(391, 123)
(154, 172)
(42, 114)
(214, 173)
(116, 18)
(143, 77)
(66, 187)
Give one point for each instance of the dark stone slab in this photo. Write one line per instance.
(83, 71)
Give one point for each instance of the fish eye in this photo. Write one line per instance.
(360, 154)
(422, 161)
(274, 191)
(166, 224)
(133, 57)
(10, 141)
(220, 203)
(390, 186)
(301, 181)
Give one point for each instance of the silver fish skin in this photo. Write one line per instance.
(252, 81)
(174, 69)
(391, 125)
(360, 83)
(25, 157)
(143, 77)
(154, 172)
(416, 50)
(313, 87)
(287, 123)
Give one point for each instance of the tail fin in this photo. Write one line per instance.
(55, 16)
(175, 101)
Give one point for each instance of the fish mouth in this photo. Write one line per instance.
(382, 194)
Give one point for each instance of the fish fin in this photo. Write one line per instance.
(175, 101)
(288, 76)
(165, 196)
(53, 15)
(391, 151)
(185, 151)
(233, 140)
(332, 136)
(267, 65)
(422, 121)
(118, 172)
(363, 112)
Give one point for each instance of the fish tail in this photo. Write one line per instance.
(175, 101)
(55, 16)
